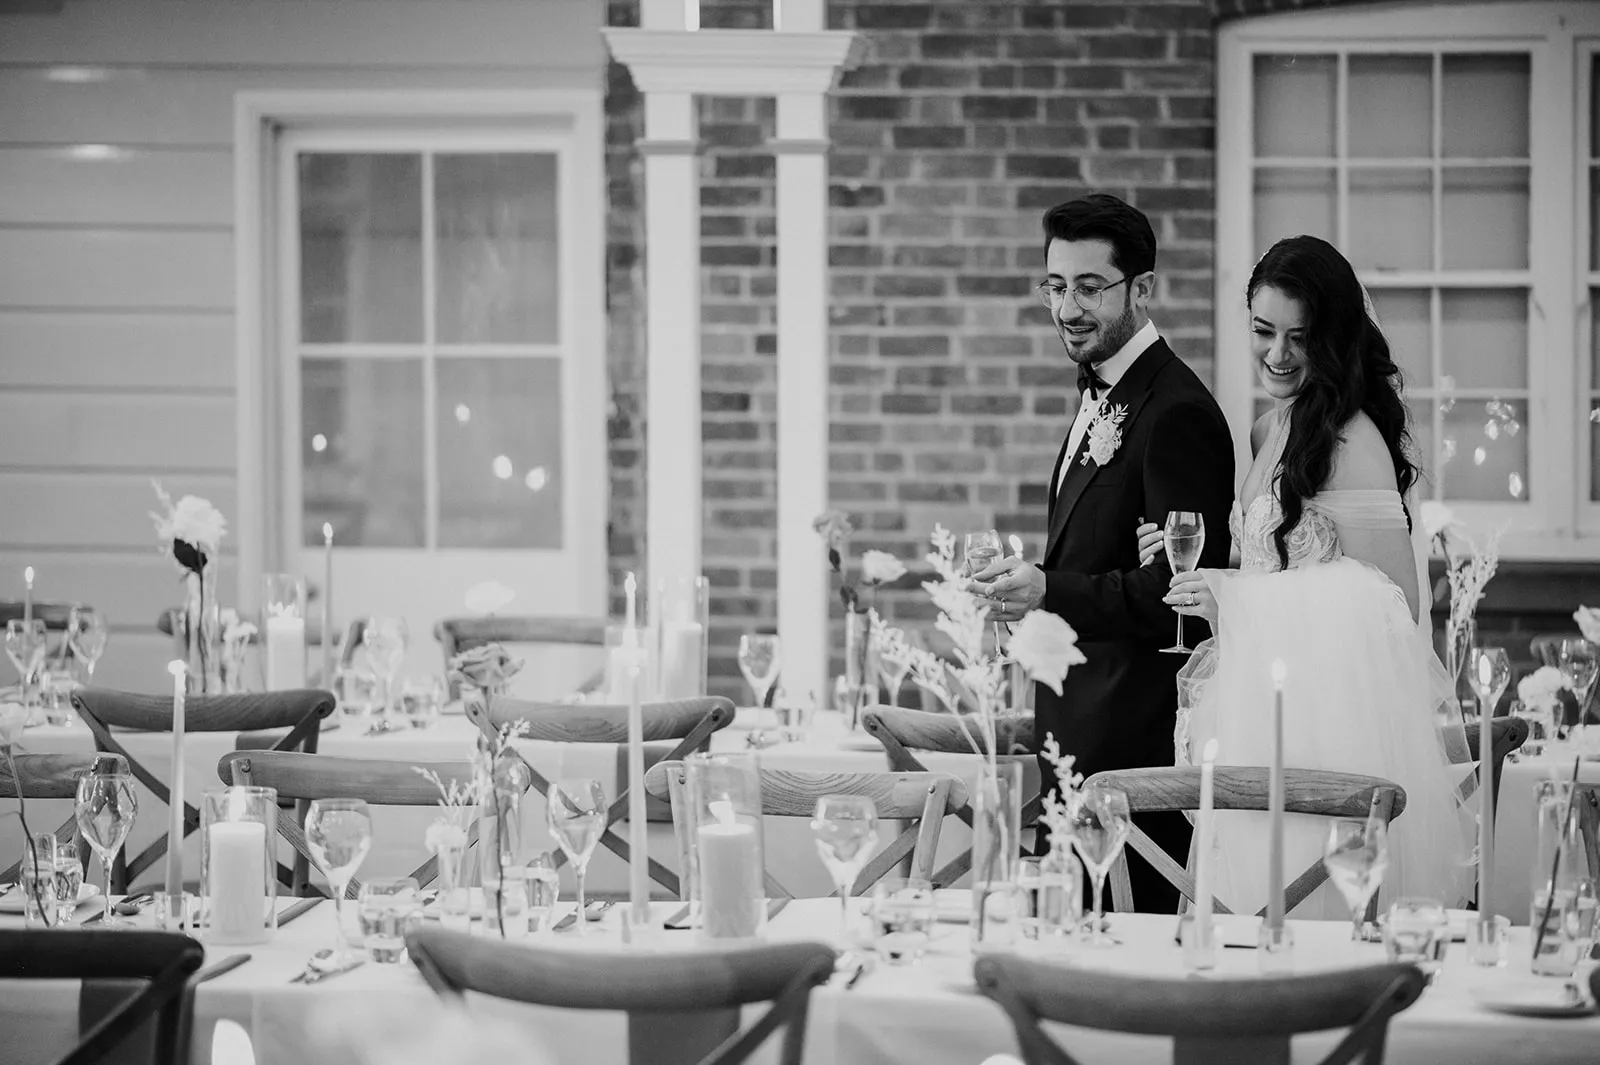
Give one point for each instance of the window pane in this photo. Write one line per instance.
(1289, 202)
(1594, 218)
(1594, 339)
(1294, 105)
(361, 452)
(1485, 218)
(1391, 106)
(500, 453)
(1404, 317)
(360, 248)
(498, 268)
(1484, 337)
(1485, 107)
(1488, 444)
(1391, 219)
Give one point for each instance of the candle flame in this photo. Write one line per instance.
(1485, 670)
(1016, 545)
(177, 667)
(27, 575)
(1210, 752)
(722, 810)
(327, 531)
(631, 585)
(1279, 672)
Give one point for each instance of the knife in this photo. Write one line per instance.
(226, 965)
(592, 912)
(297, 910)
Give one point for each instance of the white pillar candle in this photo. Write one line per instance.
(1275, 803)
(238, 897)
(730, 881)
(286, 652)
(682, 650)
(1207, 818)
(174, 880)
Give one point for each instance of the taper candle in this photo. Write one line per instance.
(638, 855)
(174, 884)
(327, 606)
(1202, 865)
(27, 599)
(1275, 803)
(1485, 788)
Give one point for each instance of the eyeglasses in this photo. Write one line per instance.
(1087, 297)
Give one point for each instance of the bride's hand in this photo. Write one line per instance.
(1190, 594)
(1149, 534)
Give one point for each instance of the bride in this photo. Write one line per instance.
(1332, 581)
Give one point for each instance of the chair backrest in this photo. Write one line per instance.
(377, 781)
(561, 655)
(1305, 791)
(158, 964)
(291, 719)
(1506, 734)
(682, 1006)
(1546, 646)
(45, 776)
(922, 798)
(54, 614)
(1210, 1021)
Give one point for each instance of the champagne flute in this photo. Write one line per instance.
(1100, 826)
(980, 551)
(760, 660)
(1356, 857)
(577, 812)
(25, 646)
(105, 808)
(339, 835)
(1489, 671)
(87, 634)
(1184, 537)
(1578, 661)
(846, 830)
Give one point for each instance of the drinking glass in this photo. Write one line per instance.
(506, 902)
(69, 880)
(544, 889)
(25, 646)
(384, 639)
(577, 810)
(1184, 537)
(1578, 661)
(339, 835)
(1100, 826)
(902, 919)
(87, 633)
(1489, 670)
(981, 550)
(1356, 857)
(846, 830)
(421, 701)
(105, 808)
(760, 660)
(1417, 930)
(388, 910)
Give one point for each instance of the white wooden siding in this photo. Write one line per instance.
(117, 289)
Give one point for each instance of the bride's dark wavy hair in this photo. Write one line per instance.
(1349, 370)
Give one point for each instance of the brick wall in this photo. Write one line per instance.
(950, 393)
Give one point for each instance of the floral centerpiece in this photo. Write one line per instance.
(1468, 571)
(13, 719)
(860, 648)
(488, 667)
(191, 532)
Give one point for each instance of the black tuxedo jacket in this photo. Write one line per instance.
(1117, 710)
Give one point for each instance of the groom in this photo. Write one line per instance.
(1148, 439)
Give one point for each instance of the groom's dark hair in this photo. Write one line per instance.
(1104, 217)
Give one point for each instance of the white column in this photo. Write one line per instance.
(672, 357)
(802, 201)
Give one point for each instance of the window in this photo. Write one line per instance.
(1442, 166)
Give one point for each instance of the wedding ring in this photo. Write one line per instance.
(1193, 601)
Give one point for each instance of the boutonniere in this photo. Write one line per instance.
(1105, 434)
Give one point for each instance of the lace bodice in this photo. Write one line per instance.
(1314, 539)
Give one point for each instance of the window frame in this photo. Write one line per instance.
(1557, 521)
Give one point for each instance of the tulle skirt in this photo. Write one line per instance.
(1364, 693)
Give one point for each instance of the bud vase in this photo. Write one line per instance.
(455, 900)
(1458, 649)
(199, 630)
(860, 666)
(996, 851)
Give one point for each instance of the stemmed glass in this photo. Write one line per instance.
(25, 646)
(1489, 670)
(87, 634)
(894, 671)
(1356, 857)
(385, 642)
(1184, 537)
(846, 829)
(760, 660)
(1100, 826)
(1578, 661)
(577, 811)
(980, 551)
(105, 809)
(339, 835)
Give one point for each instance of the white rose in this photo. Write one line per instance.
(1045, 646)
(880, 567)
(489, 597)
(13, 718)
(194, 521)
(1588, 619)
(442, 834)
(1436, 517)
(1538, 689)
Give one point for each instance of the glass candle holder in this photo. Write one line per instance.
(283, 613)
(1562, 913)
(1275, 949)
(238, 885)
(725, 825)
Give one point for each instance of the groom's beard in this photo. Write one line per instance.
(1113, 335)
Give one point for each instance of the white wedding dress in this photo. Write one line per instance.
(1364, 693)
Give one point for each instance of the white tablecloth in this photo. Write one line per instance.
(1516, 837)
(929, 1014)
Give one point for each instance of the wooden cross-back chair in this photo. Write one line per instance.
(682, 1006)
(1305, 791)
(922, 798)
(376, 781)
(464, 633)
(287, 720)
(45, 776)
(1211, 1022)
(1506, 734)
(135, 996)
(689, 721)
(902, 731)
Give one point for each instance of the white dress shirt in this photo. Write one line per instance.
(1111, 371)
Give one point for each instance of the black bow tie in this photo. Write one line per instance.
(1091, 382)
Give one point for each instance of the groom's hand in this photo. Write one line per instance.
(1012, 587)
